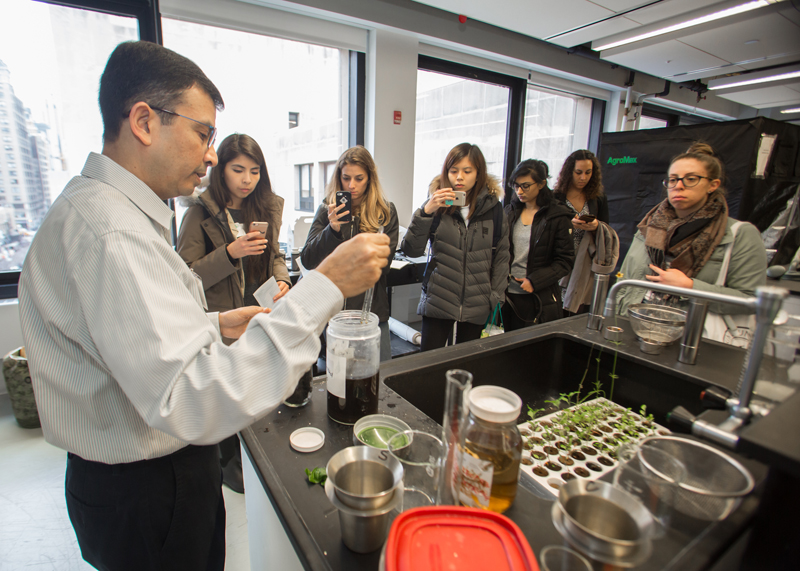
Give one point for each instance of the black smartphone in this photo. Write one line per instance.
(587, 218)
(344, 197)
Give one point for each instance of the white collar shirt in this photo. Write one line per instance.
(125, 363)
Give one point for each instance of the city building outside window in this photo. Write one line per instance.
(48, 98)
(305, 190)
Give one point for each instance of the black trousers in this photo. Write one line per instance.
(437, 332)
(166, 513)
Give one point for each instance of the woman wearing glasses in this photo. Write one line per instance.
(683, 241)
(215, 242)
(357, 174)
(541, 248)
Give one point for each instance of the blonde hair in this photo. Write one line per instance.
(374, 209)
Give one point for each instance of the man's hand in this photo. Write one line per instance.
(233, 323)
(355, 265)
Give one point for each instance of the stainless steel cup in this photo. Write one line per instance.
(365, 484)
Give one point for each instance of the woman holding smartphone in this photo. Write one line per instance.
(355, 180)
(467, 270)
(233, 262)
(580, 188)
(541, 248)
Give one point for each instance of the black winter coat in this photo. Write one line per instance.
(550, 255)
(322, 241)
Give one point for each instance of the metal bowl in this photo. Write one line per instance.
(364, 478)
(714, 483)
(608, 521)
(657, 323)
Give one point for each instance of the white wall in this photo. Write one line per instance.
(392, 86)
(10, 330)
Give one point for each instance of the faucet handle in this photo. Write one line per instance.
(715, 398)
(681, 420)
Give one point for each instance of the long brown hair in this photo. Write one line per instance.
(475, 156)
(374, 209)
(704, 153)
(594, 188)
(258, 206)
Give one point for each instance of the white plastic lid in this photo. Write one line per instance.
(494, 404)
(307, 439)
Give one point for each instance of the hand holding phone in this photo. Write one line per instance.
(343, 197)
(460, 199)
(587, 218)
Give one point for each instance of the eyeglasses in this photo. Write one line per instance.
(212, 131)
(525, 186)
(689, 181)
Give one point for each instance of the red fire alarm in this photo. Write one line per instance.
(398, 117)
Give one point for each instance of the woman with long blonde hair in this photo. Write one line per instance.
(357, 174)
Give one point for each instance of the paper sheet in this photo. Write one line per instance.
(266, 292)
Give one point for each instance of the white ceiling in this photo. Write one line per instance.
(765, 37)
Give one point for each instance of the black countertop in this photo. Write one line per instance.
(312, 523)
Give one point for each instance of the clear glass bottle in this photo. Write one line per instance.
(353, 363)
(492, 449)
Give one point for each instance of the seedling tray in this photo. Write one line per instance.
(580, 441)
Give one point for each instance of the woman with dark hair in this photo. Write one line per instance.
(232, 262)
(356, 173)
(467, 270)
(686, 240)
(580, 188)
(541, 248)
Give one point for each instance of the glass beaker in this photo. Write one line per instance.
(352, 362)
(456, 410)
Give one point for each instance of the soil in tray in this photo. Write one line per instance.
(593, 467)
(561, 445)
(566, 460)
(605, 428)
(605, 461)
(600, 446)
(526, 461)
(662, 432)
(578, 455)
(538, 455)
(541, 471)
(567, 476)
(550, 450)
(589, 451)
(582, 472)
(596, 433)
(536, 440)
(552, 466)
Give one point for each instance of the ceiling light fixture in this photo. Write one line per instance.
(687, 24)
(795, 110)
(786, 72)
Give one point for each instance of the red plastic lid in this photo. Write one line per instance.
(450, 537)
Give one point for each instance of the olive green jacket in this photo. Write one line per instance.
(747, 269)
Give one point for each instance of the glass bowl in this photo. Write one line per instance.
(657, 323)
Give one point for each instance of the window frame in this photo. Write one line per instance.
(146, 12)
(517, 89)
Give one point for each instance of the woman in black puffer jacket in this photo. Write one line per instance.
(542, 252)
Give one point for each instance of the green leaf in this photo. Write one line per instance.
(317, 476)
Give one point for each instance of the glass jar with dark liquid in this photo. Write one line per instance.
(353, 361)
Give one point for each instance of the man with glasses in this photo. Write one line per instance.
(130, 373)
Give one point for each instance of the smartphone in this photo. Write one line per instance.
(461, 198)
(260, 227)
(344, 197)
(587, 218)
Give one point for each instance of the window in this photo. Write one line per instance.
(651, 123)
(261, 109)
(305, 191)
(555, 126)
(52, 93)
(453, 110)
(294, 119)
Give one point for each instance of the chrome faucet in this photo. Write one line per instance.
(766, 304)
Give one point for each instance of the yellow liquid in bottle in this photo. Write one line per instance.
(505, 474)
